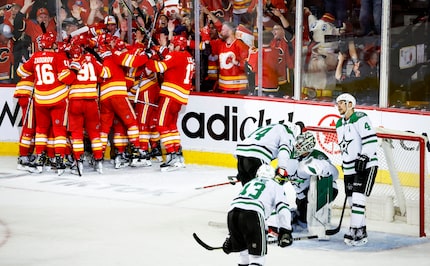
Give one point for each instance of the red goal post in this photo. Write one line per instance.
(402, 174)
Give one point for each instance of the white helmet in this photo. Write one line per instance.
(265, 171)
(304, 143)
(347, 98)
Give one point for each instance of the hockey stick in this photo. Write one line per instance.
(208, 247)
(219, 184)
(336, 230)
(142, 102)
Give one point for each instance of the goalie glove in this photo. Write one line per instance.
(361, 162)
(285, 238)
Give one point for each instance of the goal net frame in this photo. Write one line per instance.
(387, 141)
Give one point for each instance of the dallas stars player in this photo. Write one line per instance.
(358, 144)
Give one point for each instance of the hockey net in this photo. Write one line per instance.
(402, 189)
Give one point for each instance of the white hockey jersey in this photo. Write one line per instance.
(275, 141)
(264, 195)
(356, 136)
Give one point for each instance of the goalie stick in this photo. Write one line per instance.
(336, 230)
(208, 247)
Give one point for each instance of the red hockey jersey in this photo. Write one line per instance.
(52, 75)
(178, 68)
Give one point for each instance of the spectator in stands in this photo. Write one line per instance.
(111, 25)
(338, 9)
(370, 16)
(96, 12)
(363, 80)
(6, 61)
(3, 12)
(283, 41)
(209, 63)
(69, 25)
(32, 27)
(10, 14)
(79, 11)
(271, 71)
(232, 54)
(244, 12)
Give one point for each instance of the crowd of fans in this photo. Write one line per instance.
(223, 62)
(130, 45)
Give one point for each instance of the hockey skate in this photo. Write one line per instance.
(77, 167)
(120, 161)
(98, 166)
(356, 236)
(348, 238)
(155, 155)
(36, 166)
(360, 237)
(23, 163)
(173, 162)
(140, 158)
(181, 157)
(60, 165)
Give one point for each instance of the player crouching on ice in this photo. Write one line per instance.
(315, 186)
(247, 215)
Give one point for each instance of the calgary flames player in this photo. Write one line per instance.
(178, 70)
(83, 104)
(52, 77)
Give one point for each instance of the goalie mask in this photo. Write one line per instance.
(304, 143)
(265, 171)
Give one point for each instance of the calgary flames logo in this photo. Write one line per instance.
(327, 140)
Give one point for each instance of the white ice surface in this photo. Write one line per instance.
(141, 216)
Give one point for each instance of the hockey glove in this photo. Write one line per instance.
(75, 66)
(281, 175)
(361, 162)
(227, 247)
(284, 237)
(149, 53)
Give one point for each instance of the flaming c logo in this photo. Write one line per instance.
(327, 140)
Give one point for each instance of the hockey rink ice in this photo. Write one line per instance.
(144, 217)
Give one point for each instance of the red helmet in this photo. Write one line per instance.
(104, 39)
(47, 40)
(180, 41)
(79, 40)
(76, 51)
(119, 44)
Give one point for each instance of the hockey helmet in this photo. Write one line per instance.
(348, 98)
(180, 41)
(265, 171)
(47, 40)
(80, 40)
(118, 44)
(76, 51)
(304, 143)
